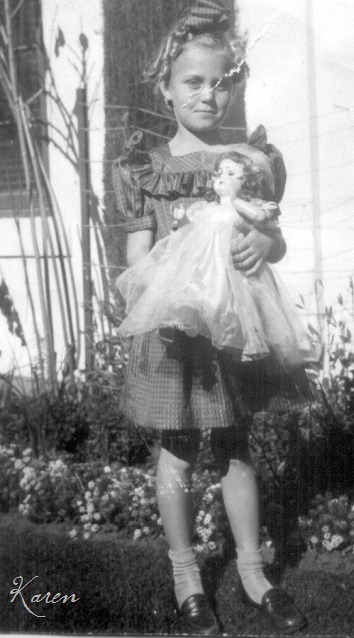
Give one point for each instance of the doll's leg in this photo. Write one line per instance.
(240, 494)
(178, 454)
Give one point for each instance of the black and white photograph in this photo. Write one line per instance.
(177, 438)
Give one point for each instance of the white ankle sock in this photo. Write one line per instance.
(250, 569)
(186, 574)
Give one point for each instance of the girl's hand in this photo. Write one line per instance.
(251, 252)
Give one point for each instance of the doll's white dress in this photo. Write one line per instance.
(188, 281)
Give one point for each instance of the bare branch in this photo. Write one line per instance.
(48, 139)
(34, 97)
(17, 8)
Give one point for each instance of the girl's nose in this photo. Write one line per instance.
(208, 94)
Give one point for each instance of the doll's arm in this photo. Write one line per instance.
(256, 211)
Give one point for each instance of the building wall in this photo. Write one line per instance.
(278, 96)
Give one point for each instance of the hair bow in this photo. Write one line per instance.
(208, 14)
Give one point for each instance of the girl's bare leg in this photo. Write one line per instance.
(175, 504)
(240, 493)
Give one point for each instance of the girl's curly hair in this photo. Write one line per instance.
(254, 183)
(201, 30)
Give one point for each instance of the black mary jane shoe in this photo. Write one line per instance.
(197, 618)
(280, 608)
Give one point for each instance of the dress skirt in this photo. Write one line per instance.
(176, 382)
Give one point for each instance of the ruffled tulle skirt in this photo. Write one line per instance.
(188, 282)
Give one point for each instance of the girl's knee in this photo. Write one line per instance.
(230, 446)
(179, 448)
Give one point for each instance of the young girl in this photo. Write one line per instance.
(178, 384)
(188, 281)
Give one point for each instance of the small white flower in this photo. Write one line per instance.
(327, 536)
(97, 516)
(212, 546)
(82, 509)
(73, 533)
(86, 535)
(337, 539)
(314, 540)
(325, 529)
(146, 530)
(159, 521)
(107, 469)
(137, 534)
(199, 549)
(91, 485)
(95, 528)
(87, 495)
(207, 519)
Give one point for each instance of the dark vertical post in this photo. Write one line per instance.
(85, 186)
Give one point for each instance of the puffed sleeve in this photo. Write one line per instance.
(134, 204)
(258, 140)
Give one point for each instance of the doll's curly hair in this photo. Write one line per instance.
(198, 25)
(254, 184)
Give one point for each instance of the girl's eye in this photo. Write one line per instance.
(223, 85)
(193, 84)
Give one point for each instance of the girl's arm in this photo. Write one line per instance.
(139, 245)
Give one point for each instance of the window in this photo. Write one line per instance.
(27, 38)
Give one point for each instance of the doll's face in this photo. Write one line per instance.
(229, 179)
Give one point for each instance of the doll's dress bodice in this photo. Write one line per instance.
(188, 282)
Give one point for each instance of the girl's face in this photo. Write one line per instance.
(199, 105)
(229, 179)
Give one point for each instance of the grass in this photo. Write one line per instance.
(126, 587)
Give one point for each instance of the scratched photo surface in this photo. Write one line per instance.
(82, 547)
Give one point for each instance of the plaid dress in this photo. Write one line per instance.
(174, 382)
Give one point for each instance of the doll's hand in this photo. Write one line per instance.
(251, 252)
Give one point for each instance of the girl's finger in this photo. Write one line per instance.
(247, 263)
(255, 269)
(240, 257)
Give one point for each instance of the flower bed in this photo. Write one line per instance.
(330, 524)
(92, 499)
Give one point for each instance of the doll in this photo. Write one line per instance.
(188, 280)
